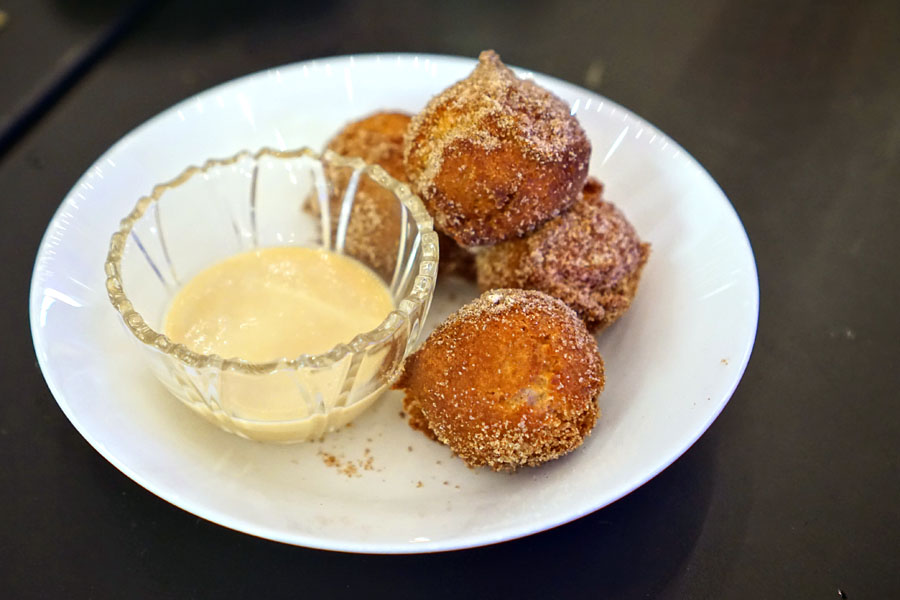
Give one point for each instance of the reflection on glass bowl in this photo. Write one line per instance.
(256, 200)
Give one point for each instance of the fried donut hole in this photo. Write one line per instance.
(373, 232)
(374, 228)
(493, 156)
(509, 380)
(590, 257)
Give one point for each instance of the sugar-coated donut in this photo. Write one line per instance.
(511, 379)
(493, 156)
(590, 257)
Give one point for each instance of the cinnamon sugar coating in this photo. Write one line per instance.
(590, 257)
(373, 232)
(493, 156)
(509, 380)
(374, 228)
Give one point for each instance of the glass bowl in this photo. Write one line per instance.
(263, 199)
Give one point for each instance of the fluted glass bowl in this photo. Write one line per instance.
(256, 200)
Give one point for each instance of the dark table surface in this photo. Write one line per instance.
(793, 107)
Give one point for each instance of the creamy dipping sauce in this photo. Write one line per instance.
(277, 302)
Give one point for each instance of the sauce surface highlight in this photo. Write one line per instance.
(277, 302)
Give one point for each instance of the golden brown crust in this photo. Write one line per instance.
(374, 228)
(377, 139)
(417, 419)
(493, 155)
(590, 257)
(510, 379)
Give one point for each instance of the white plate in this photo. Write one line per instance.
(672, 362)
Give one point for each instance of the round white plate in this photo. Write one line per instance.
(672, 362)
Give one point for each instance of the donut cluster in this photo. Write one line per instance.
(501, 164)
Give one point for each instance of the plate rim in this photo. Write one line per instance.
(305, 540)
